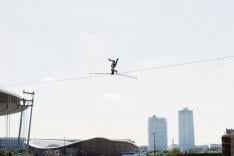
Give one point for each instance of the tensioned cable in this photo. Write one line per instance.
(179, 64)
(131, 71)
(52, 81)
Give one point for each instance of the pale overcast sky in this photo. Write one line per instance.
(56, 39)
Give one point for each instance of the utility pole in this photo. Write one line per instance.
(64, 152)
(154, 145)
(30, 120)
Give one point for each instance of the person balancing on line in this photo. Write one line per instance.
(113, 65)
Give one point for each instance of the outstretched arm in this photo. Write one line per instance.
(111, 60)
(117, 60)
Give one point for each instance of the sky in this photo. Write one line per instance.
(48, 40)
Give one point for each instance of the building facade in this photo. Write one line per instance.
(157, 134)
(143, 150)
(90, 147)
(12, 144)
(228, 143)
(186, 130)
(216, 147)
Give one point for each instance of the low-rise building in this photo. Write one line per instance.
(216, 147)
(11, 143)
(228, 143)
(90, 147)
(201, 148)
(143, 150)
(173, 147)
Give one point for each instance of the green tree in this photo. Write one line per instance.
(173, 152)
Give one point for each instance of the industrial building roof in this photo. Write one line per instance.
(10, 103)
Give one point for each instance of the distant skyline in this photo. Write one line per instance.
(47, 40)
